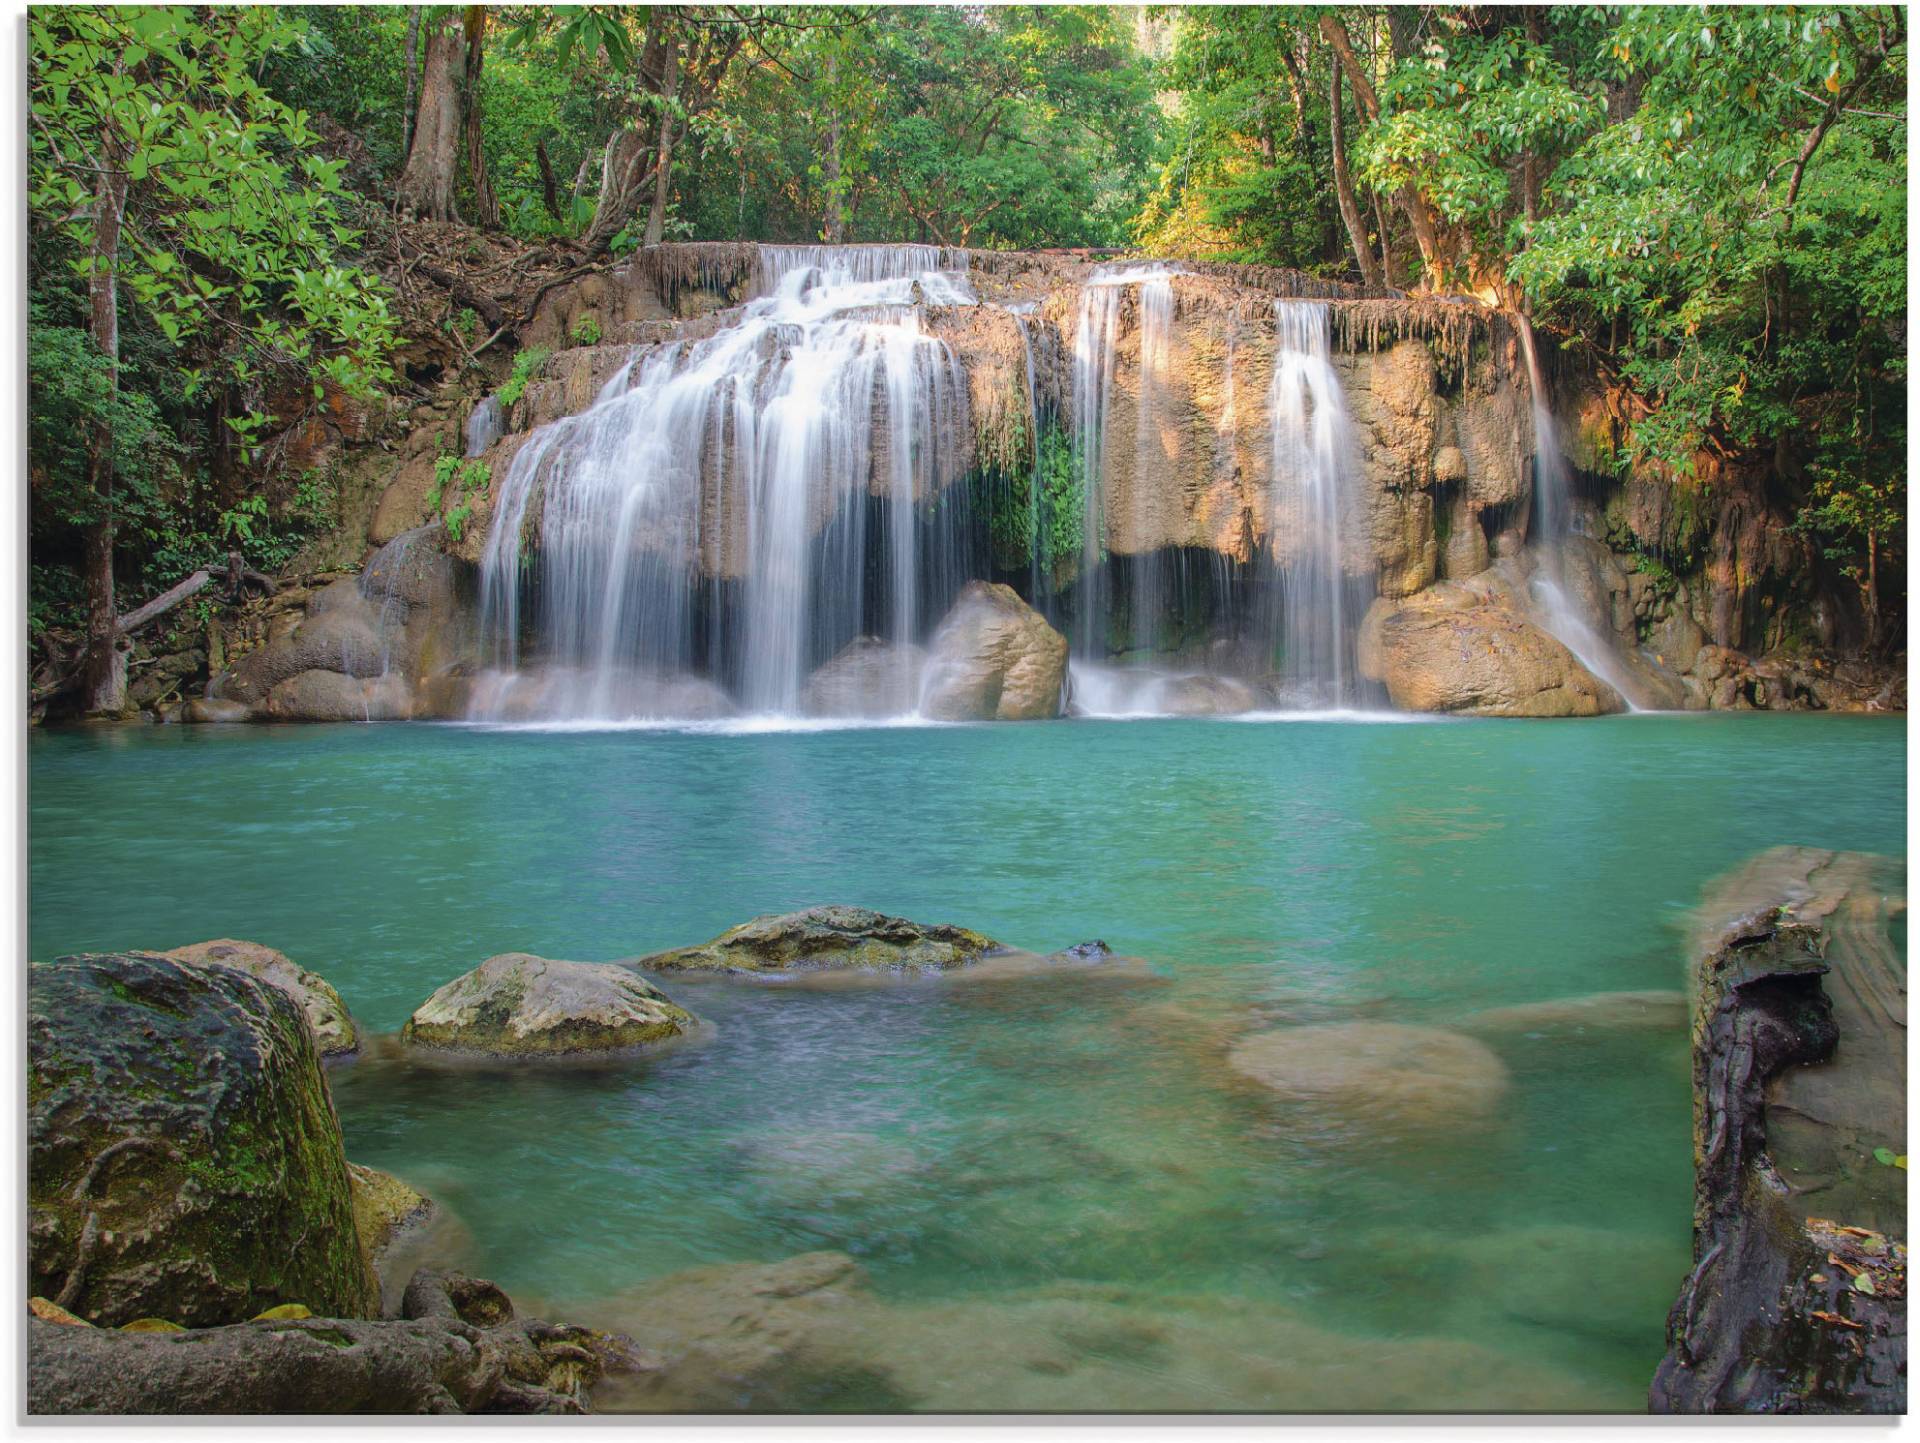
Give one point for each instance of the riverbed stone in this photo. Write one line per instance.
(326, 1014)
(1379, 1071)
(994, 658)
(517, 1005)
(828, 938)
(184, 1159)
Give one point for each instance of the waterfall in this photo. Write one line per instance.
(1552, 525)
(755, 452)
(1096, 327)
(1315, 457)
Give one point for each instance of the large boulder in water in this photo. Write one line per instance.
(517, 1005)
(184, 1159)
(326, 1014)
(994, 658)
(1377, 1071)
(1450, 649)
(331, 696)
(829, 938)
(869, 678)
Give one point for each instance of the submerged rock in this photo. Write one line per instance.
(994, 658)
(828, 938)
(1377, 1070)
(1205, 696)
(206, 710)
(457, 1348)
(184, 1160)
(518, 1005)
(1451, 649)
(869, 678)
(1652, 1011)
(326, 1014)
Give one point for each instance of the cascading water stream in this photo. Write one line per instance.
(1552, 525)
(1315, 457)
(754, 453)
(1096, 334)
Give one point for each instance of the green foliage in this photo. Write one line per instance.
(468, 479)
(525, 365)
(586, 331)
(1018, 531)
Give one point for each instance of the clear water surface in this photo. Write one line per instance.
(1059, 1181)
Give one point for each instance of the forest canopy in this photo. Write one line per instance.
(1710, 202)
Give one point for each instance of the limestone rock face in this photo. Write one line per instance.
(517, 1005)
(184, 1160)
(326, 1014)
(328, 696)
(994, 658)
(1377, 1071)
(868, 678)
(383, 1205)
(1450, 649)
(822, 938)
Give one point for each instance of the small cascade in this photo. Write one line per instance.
(1096, 328)
(800, 448)
(1552, 525)
(484, 427)
(1315, 459)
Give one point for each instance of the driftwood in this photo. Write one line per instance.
(456, 1349)
(1775, 1317)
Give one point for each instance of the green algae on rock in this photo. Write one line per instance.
(518, 1005)
(828, 938)
(326, 1014)
(184, 1159)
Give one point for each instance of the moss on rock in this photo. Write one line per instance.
(184, 1159)
(519, 1005)
(820, 938)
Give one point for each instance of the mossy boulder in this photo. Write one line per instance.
(184, 1159)
(517, 1005)
(383, 1205)
(829, 938)
(326, 1014)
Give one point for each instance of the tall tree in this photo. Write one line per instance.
(154, 153)
(427, 181)
(486, 210)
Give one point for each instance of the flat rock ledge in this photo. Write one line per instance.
(1797, 1298)
(456, 1348)
(828, 939)
(520, 1006)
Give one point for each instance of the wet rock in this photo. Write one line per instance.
(1377, 1071)
(184, 1160)
(518, 1006)
(994, 658)
(383, 1206)
(333, 1029)
(330, 696)
(205, 710)
(1450, 650)
(828, 938)
(457, 1349)
(869, 678)
(1206, 696)
(1652, 1011)
(1799, 1059)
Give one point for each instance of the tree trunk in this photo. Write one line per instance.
(662, 181)
(426, 182)
(1425, 230)
(103, 676)
(1343, 187)
(413, 53)
(549, 187)
(621, 179)
(1386, 245)
(836, 227)
(485, 207)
